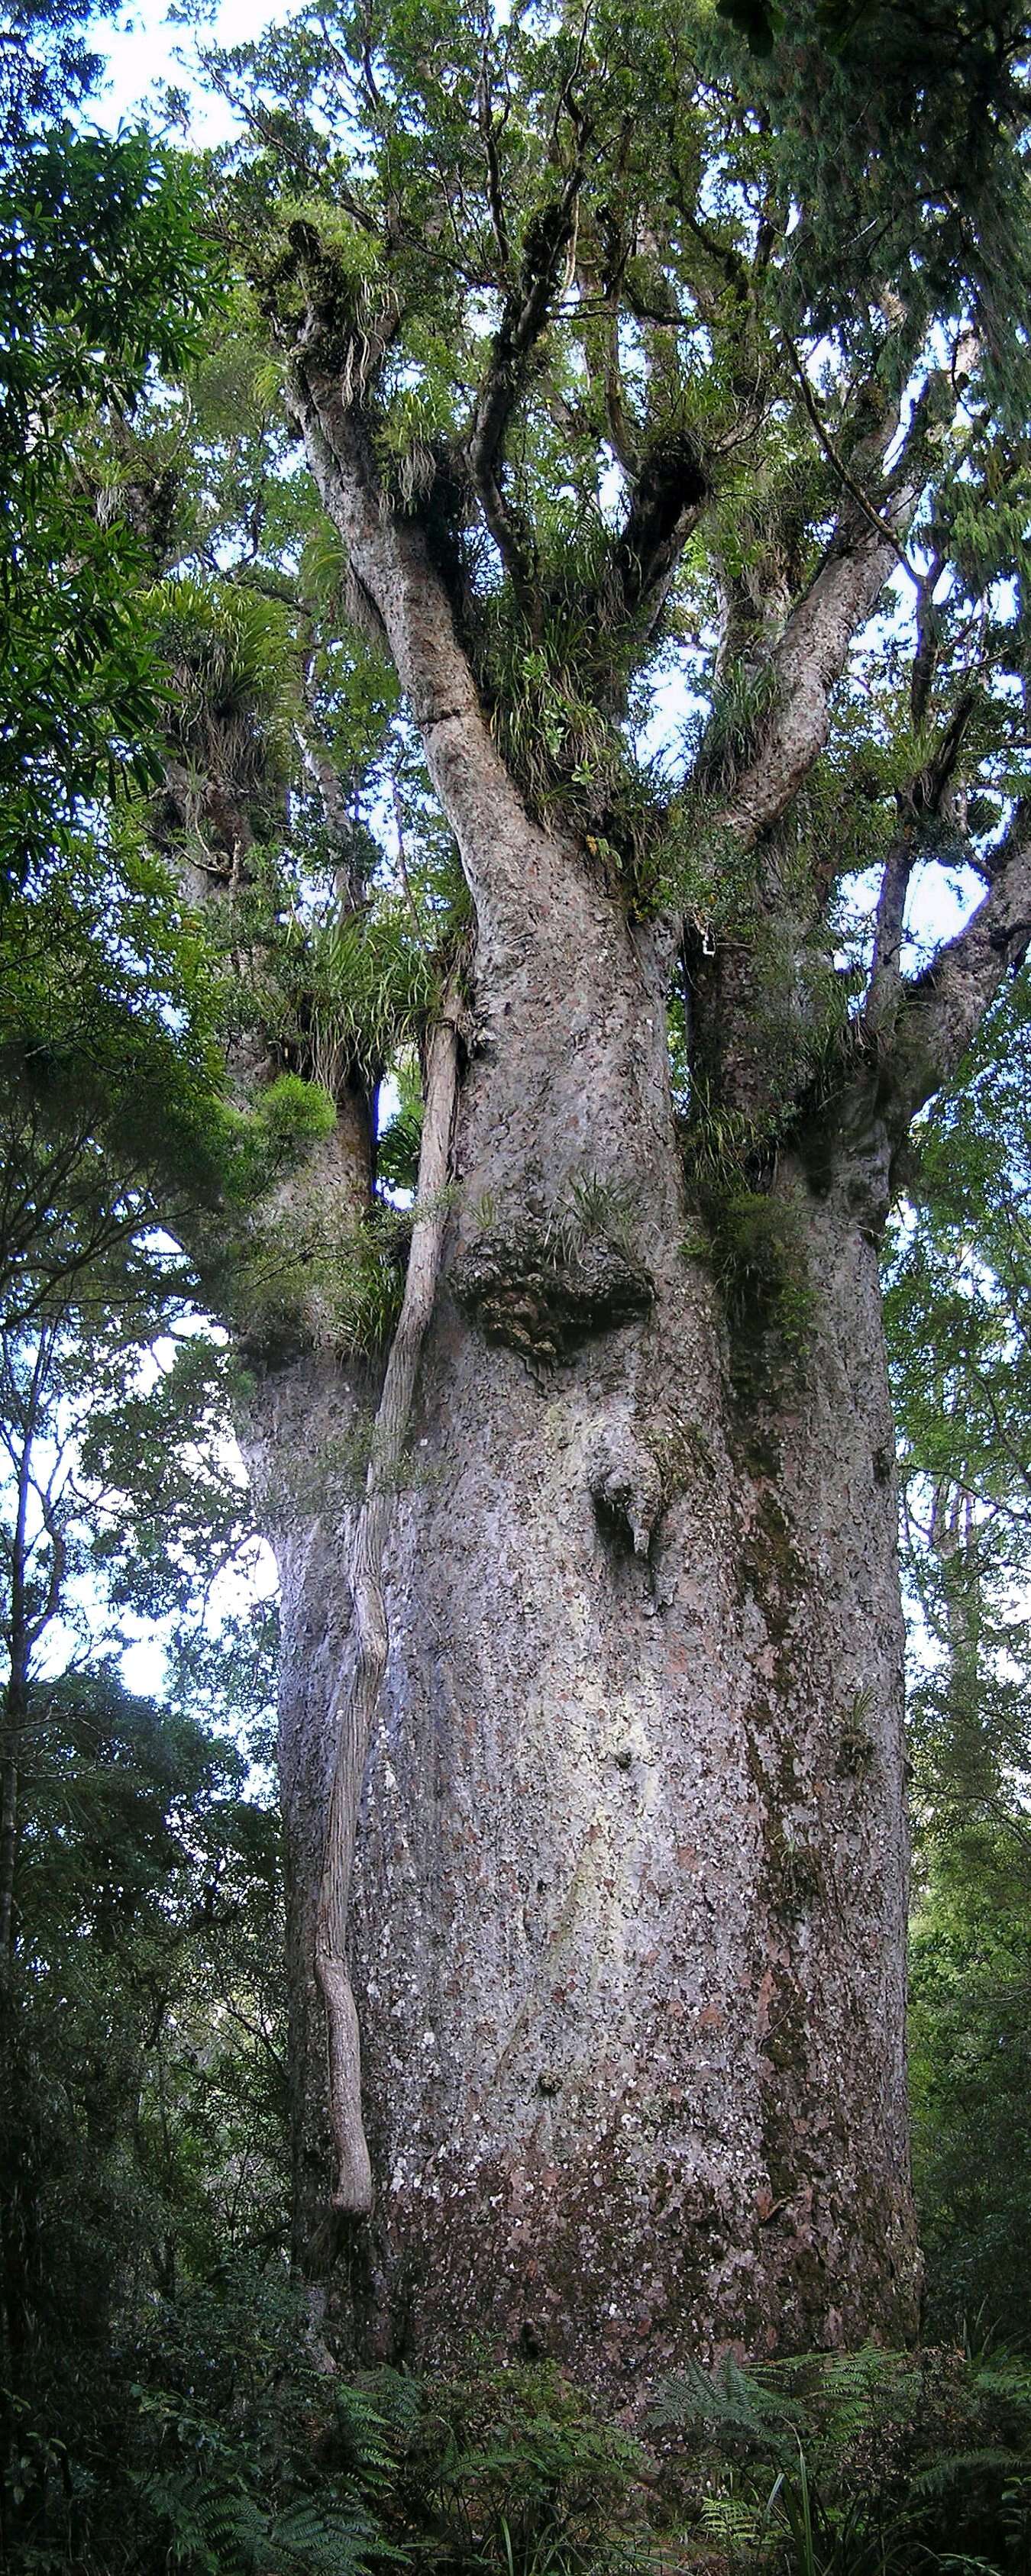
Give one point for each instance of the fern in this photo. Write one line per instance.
(732, 2406)
(310, 2539)
(880, 2459)
(211, 2530)
(939, 2476)
(732, 2520)
(375, 2420)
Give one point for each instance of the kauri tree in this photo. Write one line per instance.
(666, 405)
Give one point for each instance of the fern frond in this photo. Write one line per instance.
(309, 2539)
(940, 2474)
(731, 2519)
(731, 2404)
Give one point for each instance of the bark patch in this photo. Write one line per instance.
(540, 1293)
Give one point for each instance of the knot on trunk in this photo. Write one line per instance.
(626, 1483)
(541, 1289)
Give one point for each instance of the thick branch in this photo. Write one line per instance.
(925, 659)
(886, 970)
(942, 1009)
(806, 664)
(545, 254)
(669, 495)
(621, 428)
(886, 980)
(389, 557)
(356, 1708)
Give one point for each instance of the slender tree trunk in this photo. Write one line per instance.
(355, 1708)
(19, 1638)
(627, 1934)
(10, 1765)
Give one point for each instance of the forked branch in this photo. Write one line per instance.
(357, 1701)
(549, 240)
(669, 493)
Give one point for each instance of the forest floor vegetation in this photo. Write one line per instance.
(226, 2444)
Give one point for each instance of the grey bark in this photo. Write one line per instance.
(628, 1919)
(303, 1432)
(355, 1706)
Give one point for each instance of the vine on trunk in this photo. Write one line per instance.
(356, 1705)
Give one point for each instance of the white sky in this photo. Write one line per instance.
(147, 51)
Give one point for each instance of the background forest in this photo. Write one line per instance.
(175, 686)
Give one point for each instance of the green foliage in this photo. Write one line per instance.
(862, 2464)
(549, 692)
(512, 2470)
(109, 1080)
(370, 987)
(970, 1978)
(399, 1141)
(959, 1323)
(102, 275)
(733, 726)
(664, 347)
(242, 2452)
(215, 2529)
(46, 65)
(232, 693)
(313, 1274)
(295, 1113)
(504, 2469)
(141, 2089)
(141, 2108)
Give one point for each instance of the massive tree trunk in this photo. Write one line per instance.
(628, 1926)
(627, 1915)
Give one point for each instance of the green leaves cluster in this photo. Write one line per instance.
(103, 275)
(958, 1319)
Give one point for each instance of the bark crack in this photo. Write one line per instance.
(357, 1700)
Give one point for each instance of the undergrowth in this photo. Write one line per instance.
(227, 2445)
(854, 2464)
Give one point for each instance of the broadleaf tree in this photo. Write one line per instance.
(665, 404)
